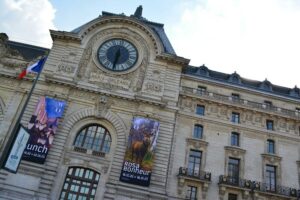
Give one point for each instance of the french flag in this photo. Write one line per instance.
(34, 68)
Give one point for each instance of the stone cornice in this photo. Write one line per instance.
(235, 149)
(173, 59)
(271, 157)
(64, 35)
(196, 142)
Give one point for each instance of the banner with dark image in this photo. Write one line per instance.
(139, 155)
(42, 127)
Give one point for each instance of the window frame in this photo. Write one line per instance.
(234, 165)
(235, 96)
(192, 192)
(232, 196)
(201, 108)
(80, 181)
(268, 104)
(198, 130)
(271, 149)
(235, 139)
(105, 140)
(194, 162)
(201, 89)
(271, 178)
(268, 123)
(235, 117)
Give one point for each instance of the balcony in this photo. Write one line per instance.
(236, 182)
(238, 101)
(276, 189)
(194, 175)
(255, 186)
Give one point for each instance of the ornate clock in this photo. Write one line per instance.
(117, 55)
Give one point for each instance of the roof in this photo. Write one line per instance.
(29, 52)
(235, 79)
(157, 28)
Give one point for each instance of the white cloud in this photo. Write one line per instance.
(258, 39)
(28, 21)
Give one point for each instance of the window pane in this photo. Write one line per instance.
(235, 117)
(271, 178)
(235, 137)
(198, 131)
(271, 146)
(232, 196)
(200, 110)
(94, 137)
(191, 193)
(194, 162)
(82, 184)
(233, 170)
(269, 124)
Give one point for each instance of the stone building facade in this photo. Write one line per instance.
(220, 137)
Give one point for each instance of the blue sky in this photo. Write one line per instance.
(257, 39)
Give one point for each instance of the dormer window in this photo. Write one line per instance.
(266, 85)
(235, 78)
(203, 71)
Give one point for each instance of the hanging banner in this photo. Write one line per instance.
(15, 155)
(139, 155)
(42, 127)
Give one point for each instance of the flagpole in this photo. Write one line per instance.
(13, 134)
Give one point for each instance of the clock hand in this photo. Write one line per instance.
(117, 56)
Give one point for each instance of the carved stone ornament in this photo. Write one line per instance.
(187, 104)
(153, 87)
(102, 105)
(270, 158)
(196, 143)
(67, 64)
(235, 151)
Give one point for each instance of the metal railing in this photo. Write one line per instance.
(239, 101)
(258, 186)
(277, 189)
(202, 175)
(234, 181)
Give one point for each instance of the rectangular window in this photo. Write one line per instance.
(234, 170)
(298, 110)
(271, 146)
(200, 110)
(194, 163)
(235, 97)
(191, 193)
(268, 104)
(269, 124)
(201, 90)
(232, 196)
(235, 139)
(235, 117)
(198, 131)
(271, 178)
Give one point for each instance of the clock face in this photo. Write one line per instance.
(117, 55)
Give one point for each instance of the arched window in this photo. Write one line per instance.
(80, 183)
(94, 137)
